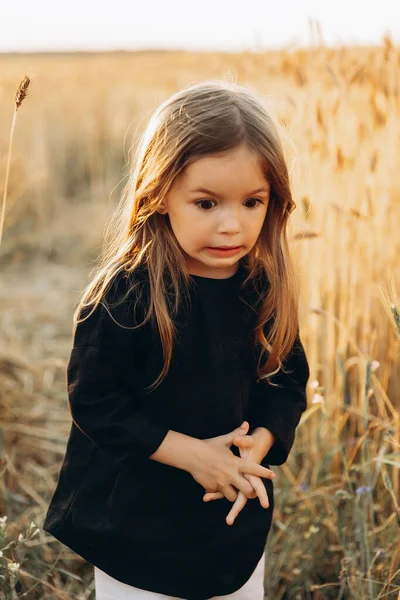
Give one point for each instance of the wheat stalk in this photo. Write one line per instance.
(20, 96)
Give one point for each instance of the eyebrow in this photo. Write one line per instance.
(205, 191)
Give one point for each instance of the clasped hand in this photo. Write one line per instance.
(250, 452)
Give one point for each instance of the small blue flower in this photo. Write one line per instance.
(363, 488)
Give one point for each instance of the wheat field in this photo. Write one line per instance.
(336, 520)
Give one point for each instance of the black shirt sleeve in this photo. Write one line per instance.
(279, 409)
(102, 392)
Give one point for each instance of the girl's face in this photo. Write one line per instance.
(218, 200)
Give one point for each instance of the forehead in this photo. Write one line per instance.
(240, 168)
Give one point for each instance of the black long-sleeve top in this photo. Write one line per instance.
(141, 521)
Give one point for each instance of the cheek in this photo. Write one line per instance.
(188, 228)
(252, 230)
(189, 222)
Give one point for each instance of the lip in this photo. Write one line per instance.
(224, 247)
(224, 250)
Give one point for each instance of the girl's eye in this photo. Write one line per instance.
(198, 202)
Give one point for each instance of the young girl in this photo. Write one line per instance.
(165, 487)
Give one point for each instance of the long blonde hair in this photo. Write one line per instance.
(208, 117)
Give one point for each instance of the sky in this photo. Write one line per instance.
(48, 25)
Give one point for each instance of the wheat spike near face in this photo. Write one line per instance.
(22, 92)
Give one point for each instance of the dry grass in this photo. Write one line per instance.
(336, 525)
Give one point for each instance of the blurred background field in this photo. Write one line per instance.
(337, 517)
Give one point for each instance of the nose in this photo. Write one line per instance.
(229, 221)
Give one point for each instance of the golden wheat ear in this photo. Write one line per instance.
(22, 91)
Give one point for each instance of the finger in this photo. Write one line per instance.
(255, 469)
(242, 429)
(248, 477)
(236, 508)
(244, 486)
(244, 442)
(245, 452)
(238, 432)
(230, 493)
(212, 496)
(245, 439)
(245, 448)
(261, 492)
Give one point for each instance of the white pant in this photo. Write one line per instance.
(108, 588)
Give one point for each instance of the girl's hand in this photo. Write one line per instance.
(228, 440)
(248, 450)
(216, 468)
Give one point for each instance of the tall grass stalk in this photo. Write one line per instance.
(20, 96)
